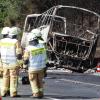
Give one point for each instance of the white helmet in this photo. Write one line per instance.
(5, 30)
(31, 36)
(37, 32)
(14, 31)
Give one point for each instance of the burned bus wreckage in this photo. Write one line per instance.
(70, 33)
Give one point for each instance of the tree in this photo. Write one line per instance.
(9, 9)
(18, 9)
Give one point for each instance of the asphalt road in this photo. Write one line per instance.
(65, 87)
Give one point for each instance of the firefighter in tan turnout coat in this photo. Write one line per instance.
(4, 32)
(11, 52)
(35, 58)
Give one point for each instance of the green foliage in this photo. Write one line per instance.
(9, 9)
(0, 30)
(18, 9)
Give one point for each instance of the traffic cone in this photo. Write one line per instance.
(98, 67)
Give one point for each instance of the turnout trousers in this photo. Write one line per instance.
(10, 81)
(36, 81)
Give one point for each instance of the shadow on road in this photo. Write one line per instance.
(50, 97)
(68, 97)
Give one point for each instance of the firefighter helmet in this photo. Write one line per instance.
(14, 31)
(31, 36)
(37, 32)
(5, 30)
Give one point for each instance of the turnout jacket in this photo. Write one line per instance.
(36, 56)
(9, 48)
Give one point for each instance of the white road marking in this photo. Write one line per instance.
(52, 98)
(79, 82)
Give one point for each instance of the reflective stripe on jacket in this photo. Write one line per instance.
(37, 57)
(8, 51)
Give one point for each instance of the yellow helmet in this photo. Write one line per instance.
(5, 30)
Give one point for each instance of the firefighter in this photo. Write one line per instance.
(10, 51)
(35, 58)
(41, 40)
(4, 32)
